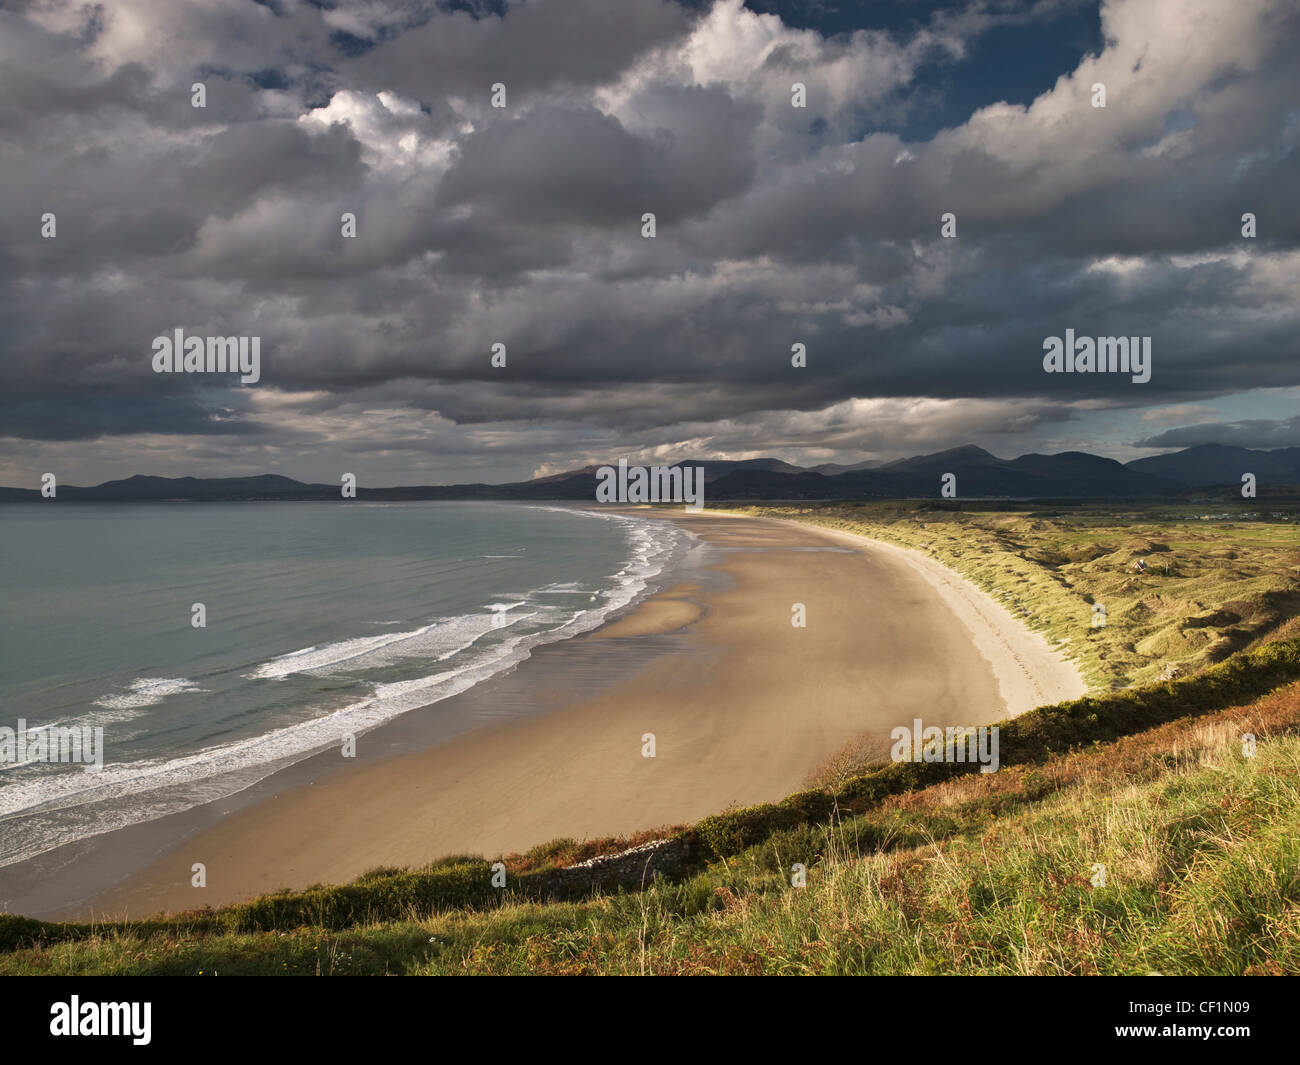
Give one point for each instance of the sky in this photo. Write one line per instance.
(522, 225)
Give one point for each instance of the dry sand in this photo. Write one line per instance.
(1029, 670)
(743, 714)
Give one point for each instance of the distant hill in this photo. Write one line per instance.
(966, 457)
(830, 469)
(716, 468)
(1215, 464)
(980, 475)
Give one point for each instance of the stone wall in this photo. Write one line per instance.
(631, 868)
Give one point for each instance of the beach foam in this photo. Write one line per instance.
(147, 691)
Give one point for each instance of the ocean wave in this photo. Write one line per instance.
(146, 691)
(437, 641)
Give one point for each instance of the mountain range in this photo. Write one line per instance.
(979, 474)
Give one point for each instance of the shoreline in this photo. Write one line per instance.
(61, 882)
(743, 706)
(1034, 674)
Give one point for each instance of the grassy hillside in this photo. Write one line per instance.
(908, 867)
(982, 874)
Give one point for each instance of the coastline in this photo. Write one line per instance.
(742, 704)
(1030, 671)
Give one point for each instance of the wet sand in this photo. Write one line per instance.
(742, 708)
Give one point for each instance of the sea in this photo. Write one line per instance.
(320, 621)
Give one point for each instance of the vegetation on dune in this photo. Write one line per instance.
(1215, 581)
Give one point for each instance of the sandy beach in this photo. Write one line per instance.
(742, 711)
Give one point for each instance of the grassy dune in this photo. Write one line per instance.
(908, 868)
(1218, 577)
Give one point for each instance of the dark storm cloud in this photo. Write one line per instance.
(522, 225)
(1253, 433)
(241, 163)
(581, 167)
(533, 48)
(86, 417)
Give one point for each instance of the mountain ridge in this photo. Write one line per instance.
(979, 475)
